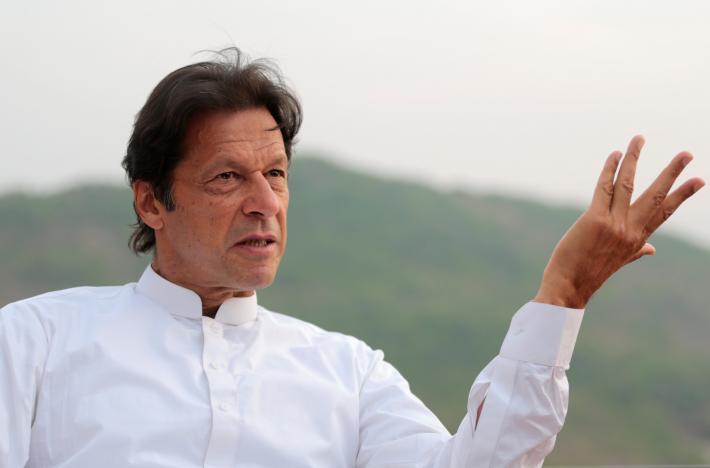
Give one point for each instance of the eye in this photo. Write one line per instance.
(277, 173)
(226, 176)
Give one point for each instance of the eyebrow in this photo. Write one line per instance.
(226, 161)
(280, 158)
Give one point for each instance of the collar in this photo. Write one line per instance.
(186, 303)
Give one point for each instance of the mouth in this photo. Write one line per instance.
(257, 243)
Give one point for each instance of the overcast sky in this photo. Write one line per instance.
(522, 97)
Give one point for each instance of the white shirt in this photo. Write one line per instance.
(135, 376)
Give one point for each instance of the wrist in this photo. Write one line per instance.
(561, 293)
(561, 301)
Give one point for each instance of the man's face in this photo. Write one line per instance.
(228, 230)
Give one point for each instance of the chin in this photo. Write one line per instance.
(262, 283)
(258, 280)
(249, 275)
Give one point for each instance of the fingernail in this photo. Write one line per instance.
(686, 160)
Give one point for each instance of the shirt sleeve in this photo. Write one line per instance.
(523, 390)
(23, 349)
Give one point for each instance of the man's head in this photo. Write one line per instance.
(208, 161)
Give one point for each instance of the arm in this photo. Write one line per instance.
(519, 401)
(23, 348)
(525, 391)
(526, 402)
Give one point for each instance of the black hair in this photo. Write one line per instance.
(230, 82)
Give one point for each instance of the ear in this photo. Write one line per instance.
(147, 206)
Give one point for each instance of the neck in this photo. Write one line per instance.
(211, 296)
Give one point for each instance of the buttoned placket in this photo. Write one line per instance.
(223, 394)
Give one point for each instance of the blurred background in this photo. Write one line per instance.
(446, 148)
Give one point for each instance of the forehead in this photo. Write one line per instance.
(245, 136)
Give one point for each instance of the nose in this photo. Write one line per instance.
(261, 200)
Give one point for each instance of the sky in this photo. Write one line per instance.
(518, 97)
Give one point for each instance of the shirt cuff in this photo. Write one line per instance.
(542, 334)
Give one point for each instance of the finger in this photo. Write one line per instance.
(649, 202)
(601, 201)
(647, 249)
(624, 185)
(672, 202)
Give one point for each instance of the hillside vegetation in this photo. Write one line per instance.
(433, 278)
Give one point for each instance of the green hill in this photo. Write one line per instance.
(432, 278)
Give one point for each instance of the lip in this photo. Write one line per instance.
(257, 250)
(252, 237)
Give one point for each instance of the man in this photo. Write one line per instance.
(184, 369)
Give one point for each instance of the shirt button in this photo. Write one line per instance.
(215, 327)
(225, 407)
(216, 365)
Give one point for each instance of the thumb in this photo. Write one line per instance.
(647, 249)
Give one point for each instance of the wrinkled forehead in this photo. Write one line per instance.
(255, 125)
(250, 134)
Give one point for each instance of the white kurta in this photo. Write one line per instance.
(135, 376)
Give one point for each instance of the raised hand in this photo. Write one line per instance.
(613, 231)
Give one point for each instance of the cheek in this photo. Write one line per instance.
(281, 218)
(217, 218)
(284, 204)
(203, 222)
(283, 215)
